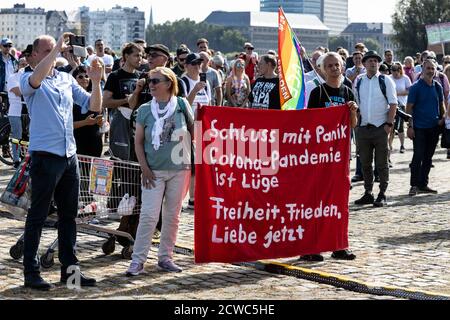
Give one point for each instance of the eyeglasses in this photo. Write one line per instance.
(155, 81)
(80, 76)
(8, 46)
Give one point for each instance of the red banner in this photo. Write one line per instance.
(271, 183)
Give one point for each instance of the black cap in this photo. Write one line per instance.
(193, 58)
(372, 54)
(182, 50)
(158, 47)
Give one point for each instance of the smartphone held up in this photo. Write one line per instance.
(78, 44)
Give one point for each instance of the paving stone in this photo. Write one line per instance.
(406, 244)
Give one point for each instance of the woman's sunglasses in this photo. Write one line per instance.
(82, 76)
(155, 81)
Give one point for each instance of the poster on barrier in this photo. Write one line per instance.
(100, 177)
(271, 184)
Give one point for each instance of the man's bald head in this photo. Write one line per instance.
(39, 40)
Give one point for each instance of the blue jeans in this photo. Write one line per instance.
(16, 133)
(424, 143)
(56, 176)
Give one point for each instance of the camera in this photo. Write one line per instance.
(203, 77)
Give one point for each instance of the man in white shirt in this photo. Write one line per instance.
(212, 76)
(100, 53)
(15, 107)
(197, 92)
(377, 112)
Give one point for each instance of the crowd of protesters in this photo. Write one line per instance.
(147, 94)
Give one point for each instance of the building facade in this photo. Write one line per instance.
(22, 25)
(261, 28)
(56, 23)
(333, 13)
(115, 26)
(293, 6)
(382, 33)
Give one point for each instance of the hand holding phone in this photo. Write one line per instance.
(99, 119)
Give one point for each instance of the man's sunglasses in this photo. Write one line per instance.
(181, 59)
(446, 62)
(8, 46)
(155, 81)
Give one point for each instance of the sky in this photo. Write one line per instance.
(169, 10)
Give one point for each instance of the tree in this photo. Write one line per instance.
(373, 44)
(186, 31)
(335, 42)
(410, 19)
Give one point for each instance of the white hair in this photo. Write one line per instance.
(326, 56)
(61, 62)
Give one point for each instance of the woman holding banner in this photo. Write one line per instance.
(333, 93)
(161, 125)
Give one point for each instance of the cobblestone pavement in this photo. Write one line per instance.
(406, 244)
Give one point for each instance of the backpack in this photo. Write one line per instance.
(381, 81)
(188, 85)
(183, 108)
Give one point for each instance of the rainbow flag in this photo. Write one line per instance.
(290, 67)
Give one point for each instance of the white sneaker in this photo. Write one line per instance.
(135, 269)
(169, 266)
